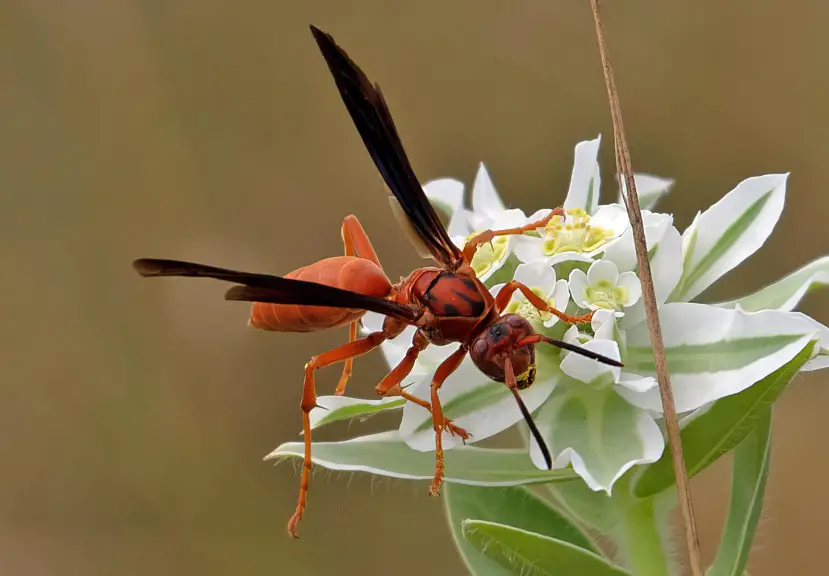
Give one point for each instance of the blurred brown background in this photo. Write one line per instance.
(135, 414)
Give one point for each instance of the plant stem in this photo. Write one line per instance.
(623, 165)
(642, 541)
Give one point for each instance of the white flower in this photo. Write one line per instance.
(604, 288)
(576, 236)
(541, 279)
(488, 213)
(598, 418)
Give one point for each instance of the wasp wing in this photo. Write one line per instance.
(275, 289)
(371, 116)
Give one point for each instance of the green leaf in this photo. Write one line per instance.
(386, 454)
(593, 509)
(721, 428)
(514, 506)
(528, 553)
(334, 408)
(786, 292)
(748, 486)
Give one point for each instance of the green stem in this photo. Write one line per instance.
(641, 539)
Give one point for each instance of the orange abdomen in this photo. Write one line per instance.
(345, 272)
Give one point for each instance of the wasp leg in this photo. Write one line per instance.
(446, 368)
(356, 243)
(510, 287)
(472, 244)
(390, 385)
(309, 401)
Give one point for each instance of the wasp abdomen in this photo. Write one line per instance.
(346, 272)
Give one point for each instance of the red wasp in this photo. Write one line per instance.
(447, 303)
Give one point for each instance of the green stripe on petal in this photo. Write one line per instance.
(714, 352)
(386, 454)
(715, 356)
(719, 429)
(470, 402)
(730, 231)
(475, 403)
(335, 408)
(787, 292)
(598, 431)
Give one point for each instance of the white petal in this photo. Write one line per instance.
(585, 180)
(496, 289)
(649, 189)
(446, 193)
(460, 224)
(666, 269)
(560, 297)
(386, 454)
(630, 282)
(818, 363)
(571, 336)
(578, 287)
(586, 369)
(529, 249)
(603, 324)
(623, 252)
(479, 405)
(511, 218)
(611, 217)
(598, 433)
(569, 257)
(636, 383)
(786, 292)
(730, 231)
(602, 270)
(715, 352)
(485, 199)
(536, 275)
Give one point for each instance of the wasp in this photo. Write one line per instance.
(445, 302)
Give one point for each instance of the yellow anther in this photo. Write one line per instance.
(573, 234)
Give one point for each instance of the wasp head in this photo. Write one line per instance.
(489, 348)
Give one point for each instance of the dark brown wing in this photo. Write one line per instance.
(275, 289)
(368, 110)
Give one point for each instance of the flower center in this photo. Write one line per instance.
(524, 307)
(603, 294)
(489, 254)
(574, 233)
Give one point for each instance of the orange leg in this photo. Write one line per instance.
(390, 385)
(356, 243)
(487, 235)
(509, 289)
(309, 401)
(438, 419)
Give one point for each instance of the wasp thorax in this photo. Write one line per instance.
(488, 350)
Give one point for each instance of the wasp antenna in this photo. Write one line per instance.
(511, 383)
(536, 338)
(528, 418)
